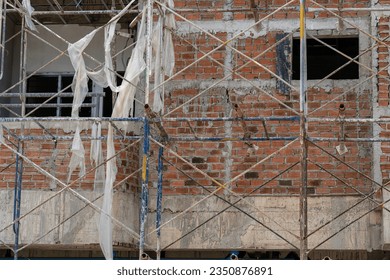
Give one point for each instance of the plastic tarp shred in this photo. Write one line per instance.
(163, 51)
(164, 57)
(80, 79)
(105, 226)
(29, 10)
(123, 106)
(96, 156)
(78, 155)
(1, 135)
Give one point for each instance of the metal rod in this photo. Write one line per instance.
(70, 137)
(242, 198)
(66, 119)
(350, 120)
(205, 119)
(159, 199)
(17, 199)
(334, 139)
(19, 160)
(149, 31)
(234, 205)
(144, 191)
(77, 212)
(205, 10)
(224, 44)
(50, 105)
(3, 36)
(52, 6)
(75, 13)
(366, 196)
(152, 115)
(50, 94)
(303, 128)
(224, 139)
(217, 183)
(233, 72)
(349, 224)
(351, 167)
(65, 187)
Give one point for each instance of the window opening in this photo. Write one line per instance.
(107, 104)
(45, 86)
(322, 60)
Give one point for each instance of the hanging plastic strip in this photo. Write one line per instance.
(122, 107)
(3, 23)
(105, 226)
(29, 10)
(163, 51)
(77, 159)
(1, 135)
(96, 156)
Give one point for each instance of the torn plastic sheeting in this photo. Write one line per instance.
(29, 10)
(162, 40)
(99, 77)
(78, 155)
(96, 156)
(80, 79)
(109, 32)
(1, 135)
(123, 106)
(156, 46)
(124, 103)
(105, 227)
(169, 57)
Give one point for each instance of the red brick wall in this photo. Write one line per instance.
(213, 158)
(55, 160)
(223, 160)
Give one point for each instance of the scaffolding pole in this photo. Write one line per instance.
(159, 199)
(303, 129)
(144, 190)
(19, 160)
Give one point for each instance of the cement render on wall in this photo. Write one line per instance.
(234, 230)
(80, 230)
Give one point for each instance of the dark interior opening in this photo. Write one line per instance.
(53, 84)
(322, 60)
(107, 103)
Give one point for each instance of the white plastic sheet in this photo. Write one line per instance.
(96, 156)
(124, 103)
(99, 77)
(169, 58)
(80, 79)
(29, 10)
(163, 52)
(78, 155)
(1, 135)
(109, 32)
(105, 227)
(157, 41)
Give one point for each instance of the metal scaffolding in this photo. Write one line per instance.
(154, 134)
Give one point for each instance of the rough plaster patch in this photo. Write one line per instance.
(241, 28)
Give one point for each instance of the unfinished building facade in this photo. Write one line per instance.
(195, 129)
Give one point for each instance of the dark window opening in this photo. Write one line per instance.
(45, 86)
(108, 104)
(322, 60)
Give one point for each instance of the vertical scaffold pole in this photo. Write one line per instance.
(149, 27)
(19, 160)
(17, 199)
(144, 191)
(159, 200)
(303, 130)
